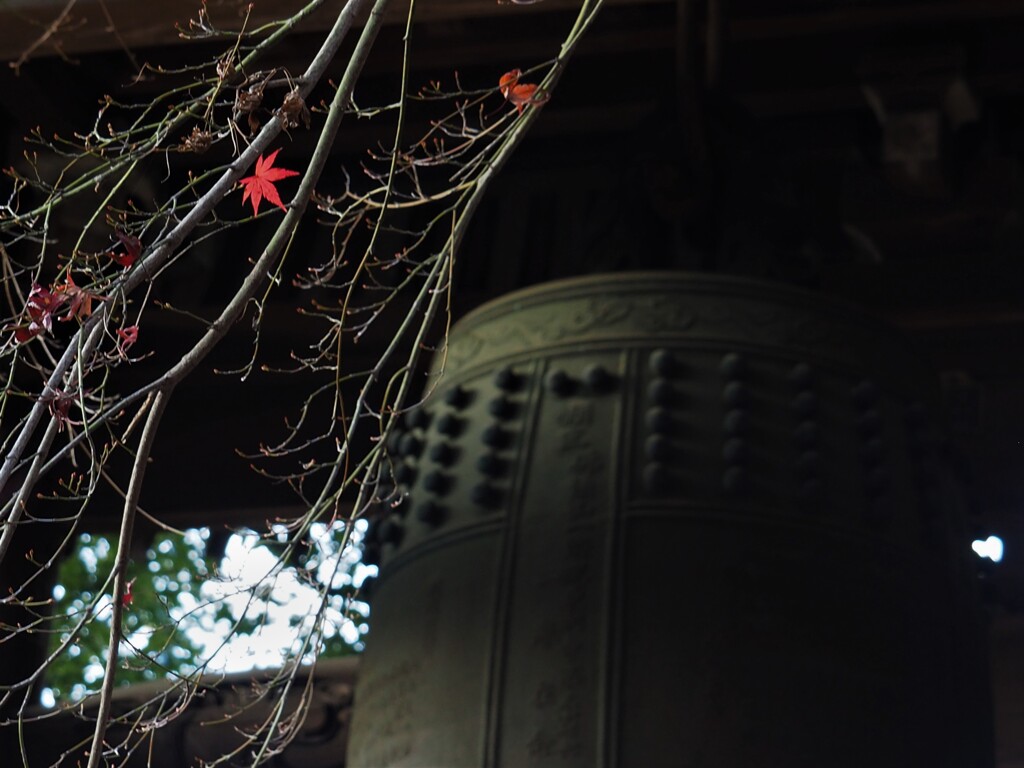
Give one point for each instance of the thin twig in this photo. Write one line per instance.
(48, 33)
(120, 563)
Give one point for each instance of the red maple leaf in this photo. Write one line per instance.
(128, 597)
(261, 183)
(23, 333)
(132, 249)
(520, 94)
(80, 299)
(507, 80)
(41, 306)
(126, 337)
(59, 402)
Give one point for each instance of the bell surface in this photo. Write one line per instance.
(677, 520)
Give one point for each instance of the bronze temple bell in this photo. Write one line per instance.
(662, 519)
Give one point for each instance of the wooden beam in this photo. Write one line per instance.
(778, 25)
(101, 25)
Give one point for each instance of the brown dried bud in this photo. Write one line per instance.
(293, 109)
(248, 99)
(226, 69)
(198, 142)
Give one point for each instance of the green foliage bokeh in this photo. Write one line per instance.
(159, 625)
(172, 567)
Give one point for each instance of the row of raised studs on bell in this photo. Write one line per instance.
(494, 435)
(866, 396)
(656, 477)
(451, 426)
(436, 482)
(736, 392)
(869, 424)
(806, 433)
(389, 530)
(408, 445)
(735, 478)
(734, 367)
(805, 404)
(432, 513)
(660, 392)
(736, 424)
(596, 379)
(458, 397)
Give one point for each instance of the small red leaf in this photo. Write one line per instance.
(261, 184)
(127, 597)
(520, 94)
(59, 402)
(507, 80)
(80, 299)
(132, 249)
(126, 337)
(23, 333)
(42, 304)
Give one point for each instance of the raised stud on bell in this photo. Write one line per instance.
(496, 436)
(805, 404)
(801, 375)
(736, 422)
(659, 420)
(429, 512)
(507, 379)
(443, 454)
(806, 434)
(449, 425)
(658, 448)
(501, 407)
(662, 363)
(417, 418)
(392, 531)
(559, 383)
(405, 474)
(736, 394)
(598, 378)
(660, 392)
(491, 465)
(410, 445)
(436, 482)
(457, 397)
(736, 451)
(484, 495)
(733, 365)
(655, 478)
(734, 481)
